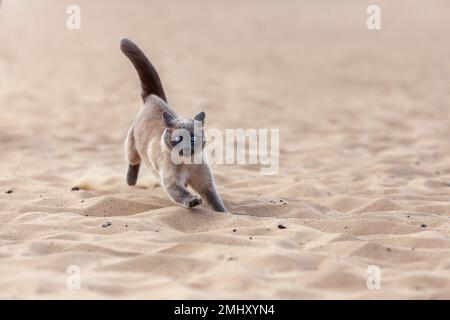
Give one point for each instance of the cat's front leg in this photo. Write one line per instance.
(203, 183)
(212, 197)
(181, 195)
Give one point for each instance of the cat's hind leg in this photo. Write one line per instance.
(133, 158)
(132, 174)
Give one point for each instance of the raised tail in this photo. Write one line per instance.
(150, 81)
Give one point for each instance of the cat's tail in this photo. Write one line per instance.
(150, 81)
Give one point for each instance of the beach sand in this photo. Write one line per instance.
(364, 177)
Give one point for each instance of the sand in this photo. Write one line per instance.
(364, 174)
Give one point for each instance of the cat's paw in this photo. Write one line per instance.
(193, 202)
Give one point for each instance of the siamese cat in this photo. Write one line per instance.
(157, 134)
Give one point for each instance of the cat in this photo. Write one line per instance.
(157, 135)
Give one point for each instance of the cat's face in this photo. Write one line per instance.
(184, 136)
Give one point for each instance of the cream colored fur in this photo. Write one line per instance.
(148, 142)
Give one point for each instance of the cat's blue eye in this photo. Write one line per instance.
(178, 138)
(193, 139)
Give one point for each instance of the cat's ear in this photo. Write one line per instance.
(200, 117)
(169, 119)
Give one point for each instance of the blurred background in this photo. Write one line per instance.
(311, 68)
(250, 64)
(364, 127)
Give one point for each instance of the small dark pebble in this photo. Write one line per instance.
(9, 191)
(251, 238)
(389, 249)
(423, 225)
(280, 226)
(75, 189)
(82, 201)
(126, 226)
(234, 230)
(107, 224)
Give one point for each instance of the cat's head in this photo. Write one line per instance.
(184, 137)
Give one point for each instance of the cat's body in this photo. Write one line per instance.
(153, 137)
